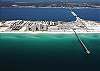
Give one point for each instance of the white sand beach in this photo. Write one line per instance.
(44, 32)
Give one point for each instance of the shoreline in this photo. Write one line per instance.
(55, 7)
(51, 32)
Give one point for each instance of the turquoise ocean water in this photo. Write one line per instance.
(49, 52)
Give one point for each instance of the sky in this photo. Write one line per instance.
(53, 0)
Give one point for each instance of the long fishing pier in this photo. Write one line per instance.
(82, 44)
